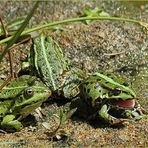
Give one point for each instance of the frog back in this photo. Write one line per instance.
(49, 60)
(15, 87)
(101, 87)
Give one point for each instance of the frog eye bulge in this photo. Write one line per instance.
(29, 92)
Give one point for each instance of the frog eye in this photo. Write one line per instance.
(29, 92)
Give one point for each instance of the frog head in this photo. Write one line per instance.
(19, 98)
(105, 91)
(30, 98)
(106, 88)
(23, 95)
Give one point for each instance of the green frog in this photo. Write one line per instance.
(110, 98)
(54, 69)
(18, 99)
(102, 91)
(47, 58)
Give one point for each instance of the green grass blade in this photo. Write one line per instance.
(18, 33)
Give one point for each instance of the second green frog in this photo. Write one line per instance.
(18, 99)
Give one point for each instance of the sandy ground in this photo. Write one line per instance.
(93, 45)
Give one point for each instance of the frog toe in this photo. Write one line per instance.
(11, 125)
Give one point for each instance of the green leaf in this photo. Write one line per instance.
(110, 18)
(87, 12)
(92, 12)
(71, 112)
(16, 23)
(12, 26)
(64, 116)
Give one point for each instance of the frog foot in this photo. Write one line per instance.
(103, 114)
(9, 124)
(137, 113)
(140, 109)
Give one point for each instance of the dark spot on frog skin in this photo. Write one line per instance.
(19, 99)
(91, 82)
(125, 84)
(88, 90)
(101, 72)
(46, 39)
(106, 82)
(90, 98)
(98, 79)
(94, 75)
(1, 115)
(99, 90)
(108, 74)
(86, 83)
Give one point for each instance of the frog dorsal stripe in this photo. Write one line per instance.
(115, 83)
(49, 61)
(12, 89)
(48, 66)
(15, 88)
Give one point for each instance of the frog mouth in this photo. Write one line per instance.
(126, 103)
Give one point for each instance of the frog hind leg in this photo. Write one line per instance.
(103, 114)
(9, 124)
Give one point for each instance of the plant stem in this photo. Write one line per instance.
(75, 20)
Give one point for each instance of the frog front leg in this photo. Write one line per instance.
(103, 114)
(9, 124)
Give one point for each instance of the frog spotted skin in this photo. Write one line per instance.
(48, 60)
(101, 90)
(18, 99)
(53, 67)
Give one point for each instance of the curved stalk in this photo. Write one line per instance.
(76, 20)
